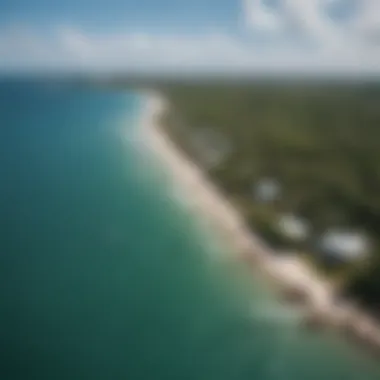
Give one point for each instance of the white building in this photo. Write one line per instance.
(345, 245)
(267, 190)
(293, 227)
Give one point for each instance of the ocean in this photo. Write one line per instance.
(106, 274)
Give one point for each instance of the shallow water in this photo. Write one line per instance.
(105, 275)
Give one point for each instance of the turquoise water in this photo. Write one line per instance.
(104, 276)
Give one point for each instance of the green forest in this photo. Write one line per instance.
(320, 141)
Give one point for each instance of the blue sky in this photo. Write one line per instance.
(116, 14)
(191, 35)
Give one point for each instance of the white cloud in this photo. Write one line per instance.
(76, 48)
(333, 46)
(311, 20)
(310, 17)
(367, 22)
(259, 16)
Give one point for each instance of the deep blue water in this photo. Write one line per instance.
(104, 276)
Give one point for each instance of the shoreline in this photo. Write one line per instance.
(296, 280)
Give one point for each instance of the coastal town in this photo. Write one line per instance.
(304, 262)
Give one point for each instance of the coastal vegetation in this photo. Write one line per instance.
(302, 163)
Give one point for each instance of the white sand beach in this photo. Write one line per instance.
(290, 272)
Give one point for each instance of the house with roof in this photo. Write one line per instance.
(293, 227)
(267, 190)
(343, 246)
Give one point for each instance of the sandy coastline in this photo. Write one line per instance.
(289, 272)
